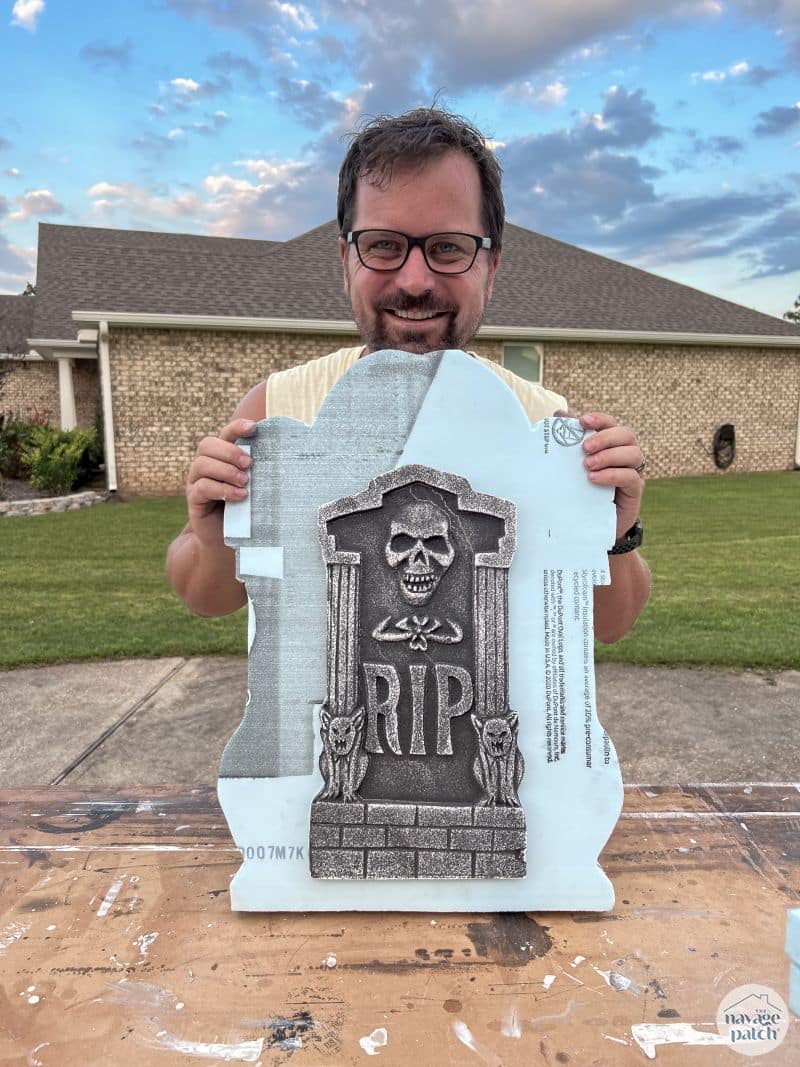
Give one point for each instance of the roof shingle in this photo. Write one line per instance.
(542, 283)
(16, 321)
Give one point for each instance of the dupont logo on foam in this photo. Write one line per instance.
(754, 1018)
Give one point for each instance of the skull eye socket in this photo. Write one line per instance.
(436, 544)
(402, 543)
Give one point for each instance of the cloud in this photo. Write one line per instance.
(310, 103)
(266, 198)
(152, 145)
(12, 172)
(298, 15)
(3, 206)
(550, 95)
(109, 198)
(777, 120)
(17, 265)
(187, 91)
(35, 204)
(99, 54)
(719, 145)
(206, 129)
(758, 75)
(230, 63)
(741, 69)
(26, 12)
(574, 181)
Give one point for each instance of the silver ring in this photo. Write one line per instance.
(641, 466)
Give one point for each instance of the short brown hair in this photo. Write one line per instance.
(388, 141)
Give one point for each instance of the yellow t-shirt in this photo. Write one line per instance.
(299, 391)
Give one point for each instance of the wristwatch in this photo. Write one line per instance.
(629, 541)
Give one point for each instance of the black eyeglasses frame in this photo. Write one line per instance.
(417, 242)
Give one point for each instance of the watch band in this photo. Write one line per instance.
(629, 541)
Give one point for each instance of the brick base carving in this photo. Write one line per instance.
(380, 840)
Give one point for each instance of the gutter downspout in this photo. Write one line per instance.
(108, 414)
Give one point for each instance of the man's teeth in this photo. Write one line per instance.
(415, 315)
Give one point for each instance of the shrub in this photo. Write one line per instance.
(56, 458)
(13, 437)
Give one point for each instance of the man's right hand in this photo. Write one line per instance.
(200, 567)
(218, 473)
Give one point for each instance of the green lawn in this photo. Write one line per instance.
(725, 555)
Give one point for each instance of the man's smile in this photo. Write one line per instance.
(416, 316)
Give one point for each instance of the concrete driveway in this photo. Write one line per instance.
(152, 722)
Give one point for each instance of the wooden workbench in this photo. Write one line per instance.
(118, 946)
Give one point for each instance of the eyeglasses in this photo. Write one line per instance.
(445, 253)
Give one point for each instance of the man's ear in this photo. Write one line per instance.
(343, 256)
(494, 263)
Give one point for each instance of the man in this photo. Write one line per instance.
(421, 217)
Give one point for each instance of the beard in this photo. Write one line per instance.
(379, 333)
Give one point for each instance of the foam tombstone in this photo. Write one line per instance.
(420, 565)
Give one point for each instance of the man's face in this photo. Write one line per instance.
(414, 309)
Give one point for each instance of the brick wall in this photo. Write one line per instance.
(394, 840)
(675, 397)
(28, 387)
(171, 387)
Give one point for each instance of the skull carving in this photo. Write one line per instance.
(497, 737)
(419, 544)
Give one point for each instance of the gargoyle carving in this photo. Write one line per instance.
(499, 765)
(343, 762)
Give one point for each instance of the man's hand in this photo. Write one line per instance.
(200, 567)
(218, 473)
(613, 457)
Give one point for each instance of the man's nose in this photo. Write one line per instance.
(415, 276)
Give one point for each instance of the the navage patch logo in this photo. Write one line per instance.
(754, 1018)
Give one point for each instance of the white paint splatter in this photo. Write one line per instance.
(577, 960)
(244, 1052)
(648, 1035)
(748, 789)
(13, 932)
(144, 941)
(329, 961)
(548, 980)
(180, 1006)
(554, 1018)
(34, 999)
(51, 927)
(618, 1040)
(616, 981)
(110, 897)
(144, 807)
(372, 1042)
(184, 826)
(143, 995)
(32, 1060)
(510, 1027)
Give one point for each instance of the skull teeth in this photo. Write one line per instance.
(418, 581)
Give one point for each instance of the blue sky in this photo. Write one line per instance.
(665, 133)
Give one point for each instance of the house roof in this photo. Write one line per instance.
(141, 270)
(16, 322)
(543, 283)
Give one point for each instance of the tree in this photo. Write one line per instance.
(793, 315)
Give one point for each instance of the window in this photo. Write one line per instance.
(524, 360)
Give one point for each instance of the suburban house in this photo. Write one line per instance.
(163, 333)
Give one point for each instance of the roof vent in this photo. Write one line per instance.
(724, 445)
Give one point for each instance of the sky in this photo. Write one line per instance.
(663, 133)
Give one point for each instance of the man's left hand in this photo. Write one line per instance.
(612, 457)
